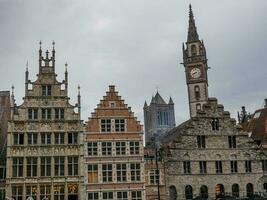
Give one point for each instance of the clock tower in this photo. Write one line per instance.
(196, 67)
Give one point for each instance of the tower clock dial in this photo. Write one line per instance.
(195, 72)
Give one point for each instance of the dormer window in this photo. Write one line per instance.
(46, 90)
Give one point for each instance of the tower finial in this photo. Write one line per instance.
(53, 43)
(66, 67)
(192, 29)
(40, 43)
(27, 65)
(12, 89)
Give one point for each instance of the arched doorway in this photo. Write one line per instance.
(173, 192)
(235, 190)
(204, 192)
(188, 192)
(219, 191)
(250, 190)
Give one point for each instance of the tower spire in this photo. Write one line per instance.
(192, 29)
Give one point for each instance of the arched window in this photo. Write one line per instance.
(235, 190)
(219, 191)
(188, 192)
(193, 50)
(250, 191)
(198, 106)
(173, 193)
(204, 192)
(197, 92)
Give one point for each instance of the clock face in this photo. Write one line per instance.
(195, 72)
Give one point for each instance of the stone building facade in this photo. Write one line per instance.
(209, 156)
(45, 139)
(114, 158)
(4, 117)
(159, 118)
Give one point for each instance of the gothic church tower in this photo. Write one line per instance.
(195, 63)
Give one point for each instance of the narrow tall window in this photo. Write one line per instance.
(2, 194)
(45, 191)
(31, 166)
(46, 113)
(59, 192)
(46, 166)
(59, 138)
(215, 124)
(92, 173)
(72, 138)
(46, 90)
(248, 166)
(122, 196)
(202, 167)
(18, 138)
(197, 92)
(193, 50)
(154, 176)
(107, 195)
(218, 167)
(17, 167)
(59, 166)
(106, 173)
(59, 113)
(73, 166)
(31, 191)
(232, 142)
(120, 148)
(32, 113)
(119, 125)
(32, 138)
(135, 172)
(106, 148)
(105, 125)
(134, 148)
(17, 192)
(201, 141)
(136, 195)
(46, 138)
(234, 168)
(121, 172)
(92, 148)
(2, 173)
(160, 118)
(187, 167)
(264, 166)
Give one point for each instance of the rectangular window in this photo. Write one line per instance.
(121, 172)
(73, 166)
(59, 166)
(215, 124)
(134, 148)
(107, 173)
(136, 195)
(2, 194)
(201, 141)
(59, 113)
(31, 166)
(248, 166)
(17, 167)
(120, 148)
(105, 125)
(92, 173)
(32, 113)
(218, 167)
(45, 191)
(59, 138)
(46, 113)
(233, 166)
(264, 166)
(187, 167)
(31, 191)
(17, 192)
(119, 125)
(2, 173)
(135, 172)
(46, 90)
(106, 148)
(32, 138)
(59, 192)
(93, 196)
(92, 148)
(202, 167)
(72, 138)
(122, 196)
(154, 177)
(232, 142)
(18, 138)
(46, 166)
(46, 138)
(107, 195)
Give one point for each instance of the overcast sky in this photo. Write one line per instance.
(136, 45)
